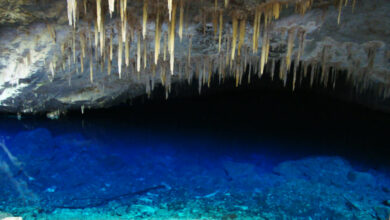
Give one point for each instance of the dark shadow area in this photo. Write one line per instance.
(307, 121)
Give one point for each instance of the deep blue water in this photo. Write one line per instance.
(199, 158)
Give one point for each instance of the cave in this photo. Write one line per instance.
(194, 109)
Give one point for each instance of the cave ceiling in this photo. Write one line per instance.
(57, 55)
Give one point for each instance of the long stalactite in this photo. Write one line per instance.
(220, 31)
(145, 18)
(181, 20)
(234, 36)
(157, 39)
(171, 44)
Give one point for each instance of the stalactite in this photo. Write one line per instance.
(138, 53)
(301, 49)
(200, 84)
(267, 49)
(157, 38)
(295, 63)
(162, 75)
(266, 16)
(62, 48)
(276, 10)
(74, 46)
(181, 20)
(312, 72)
(102, 38)
(290, 46)
(301, 70)
(306, 5)
(63, 65)
(237, 76)
(255, 27)
(120, 54)
(220, 31)
(123, 4)
(96, 37)
(189, 52)
(227, 54)
(273, 69)
(324, 60)
(90, 67)
(264, 53)
(145, 18)
(242, 71)
(353, 5)
(205, 72)
(72, 9)
(165, 47)
(282, 68)
(371, 50)
(109, 64)
(27, 59)
(234, 37)
(52, 69)
(145, 54)
(325, 77)
(226, 3)
(111, 47)
(258, 31)
(242, 35)
(250, 73)
(127, 52)
(170, 9)
(340, 8)
(69, 64)
(111, 6)
(82, 44)
(82, 64)
(124, 9)
(285, 72)
(52, 32)
(85, 6)
(171, 44)
(99, 14)
(209, 75)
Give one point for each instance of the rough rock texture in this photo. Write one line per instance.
(40, 54)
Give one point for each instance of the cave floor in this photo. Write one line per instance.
(71, 176)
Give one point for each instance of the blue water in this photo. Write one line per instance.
(163, 175)
(162, 164)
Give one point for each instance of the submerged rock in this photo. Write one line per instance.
(327, 170)
(238, 170)
(382, 213)
(361, 178)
